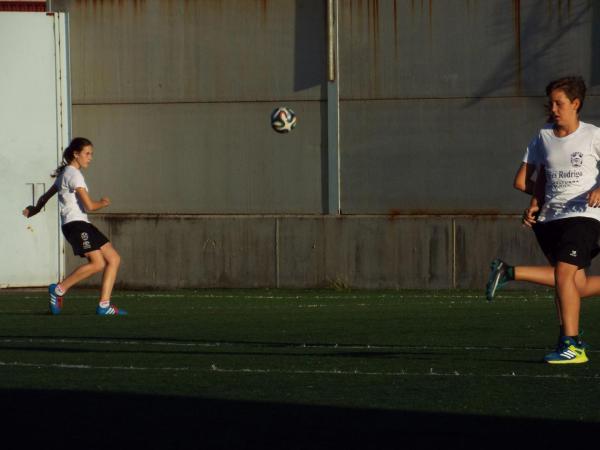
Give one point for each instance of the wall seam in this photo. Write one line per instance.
(277, 256)
(453, 253)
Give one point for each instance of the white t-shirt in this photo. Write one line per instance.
(532, 152)
(571, 165)
(71, 209)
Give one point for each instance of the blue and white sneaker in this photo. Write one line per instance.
(569, 351)
(110, 310)
(56, 301)
(498, 278)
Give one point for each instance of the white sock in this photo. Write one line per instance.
(104, 303)
(58, 290)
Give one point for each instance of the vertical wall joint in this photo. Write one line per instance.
(333, 111)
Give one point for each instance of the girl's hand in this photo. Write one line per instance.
(593, 198)
(30, 211)
(105, 201)
(529, 215)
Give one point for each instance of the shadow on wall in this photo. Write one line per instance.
(310, 44)
(541, 50)
(310, 66)
(595, 46)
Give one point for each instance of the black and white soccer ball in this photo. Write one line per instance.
(283, 119)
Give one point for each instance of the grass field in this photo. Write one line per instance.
(294, 369)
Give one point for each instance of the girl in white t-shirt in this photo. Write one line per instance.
(524, 181)
(564, 211)
(87, 241)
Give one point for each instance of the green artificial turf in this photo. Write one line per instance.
(421, 352)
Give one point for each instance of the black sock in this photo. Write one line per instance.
(510, 272)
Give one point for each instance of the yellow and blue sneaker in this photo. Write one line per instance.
(498, 277)
(56, 301)
(569, 351)
(110, 310)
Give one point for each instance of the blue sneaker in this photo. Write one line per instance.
(110, 310)
(498, 278)
(580, 342)
(569, 351)
(56, 301)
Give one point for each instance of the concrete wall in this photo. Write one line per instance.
(438, 100)
(320, 251)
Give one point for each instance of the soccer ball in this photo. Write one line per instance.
(283, 119)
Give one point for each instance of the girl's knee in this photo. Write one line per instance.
(565, 273)
(113, 259)
(98, 265)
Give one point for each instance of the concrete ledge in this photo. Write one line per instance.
(368, 252)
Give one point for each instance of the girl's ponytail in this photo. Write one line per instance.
(75, 146)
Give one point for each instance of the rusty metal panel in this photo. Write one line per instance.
(469, 48)
(144, 51)
(449, 156)
(207, 158)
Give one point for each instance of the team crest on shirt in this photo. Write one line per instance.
(576, 159)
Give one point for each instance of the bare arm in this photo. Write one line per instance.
(524, 181)
(593, 198)
(537, 199)
(31, 210)
(88, 203)
(539, 191)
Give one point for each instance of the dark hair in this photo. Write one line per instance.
(572, 86)
(76, 145)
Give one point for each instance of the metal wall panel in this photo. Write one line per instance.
(438, 100)
(468, 48)
(149, 51)
(32, 125)
(448, 156)
(207, 158)
(365, 252)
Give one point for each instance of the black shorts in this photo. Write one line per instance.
(83, 237)
(573, 240)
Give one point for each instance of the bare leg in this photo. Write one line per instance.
(113, 260)
(94, 265)
(569, 298)
(543, 275)
(558, 313)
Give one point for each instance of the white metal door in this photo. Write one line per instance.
(34, 127)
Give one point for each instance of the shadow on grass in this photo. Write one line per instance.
(90, 420)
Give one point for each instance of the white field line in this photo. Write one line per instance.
(400, 373)
(116, 342)
(86, 366)
(334, 372)
(312, 297)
